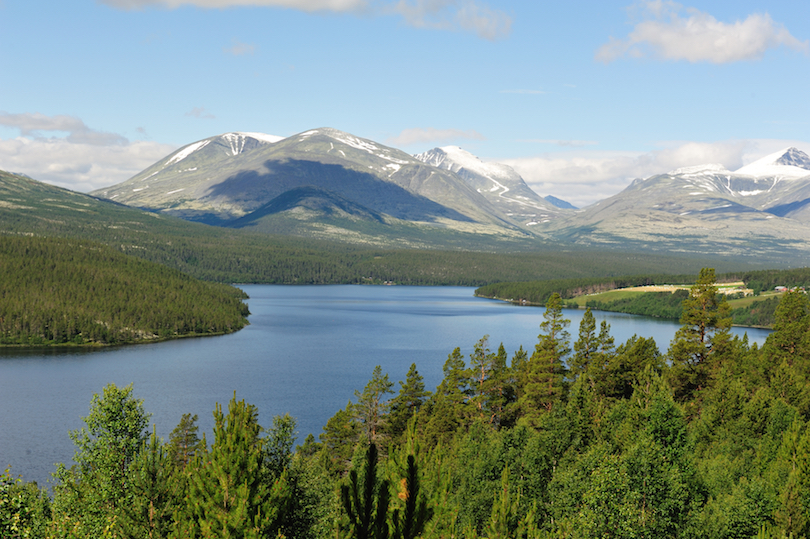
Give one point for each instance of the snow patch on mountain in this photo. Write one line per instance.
(789, 163)
(188, 150)
(698, 170)
(237, 140)
(263, 137)
(453, 158)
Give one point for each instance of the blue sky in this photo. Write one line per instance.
(579, 96)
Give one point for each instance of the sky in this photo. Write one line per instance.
(580, 97)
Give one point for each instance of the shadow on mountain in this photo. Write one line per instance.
(784, 209)
(351, 185)
(319, 201)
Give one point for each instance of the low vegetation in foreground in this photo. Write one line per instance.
(72, 292)
(592, 439)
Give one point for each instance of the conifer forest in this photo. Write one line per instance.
(574, 436)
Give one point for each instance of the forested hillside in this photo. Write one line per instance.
(573, 438)
(58, 292)
(216, 254)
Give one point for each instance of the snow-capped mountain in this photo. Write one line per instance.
(789, 163)
(500, 184)
(764, 204)
(225, 178)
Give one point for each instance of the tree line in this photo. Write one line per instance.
(58, 292)
(586, 439)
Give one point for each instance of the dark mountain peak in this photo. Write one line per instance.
(794, 157)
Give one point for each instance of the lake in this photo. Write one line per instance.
(307, 350)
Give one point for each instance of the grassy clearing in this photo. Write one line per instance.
(622, 293)
(749, 300)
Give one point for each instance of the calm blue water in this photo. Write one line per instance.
(307, 350)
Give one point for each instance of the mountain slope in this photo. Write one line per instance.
(204, 183)
(705, 208)
(499, 184)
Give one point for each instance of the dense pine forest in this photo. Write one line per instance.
(60, 292)
(572, 437)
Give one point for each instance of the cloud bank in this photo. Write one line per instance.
(586, 177)
(698, 37)
(82, 160)
(464, 15)
(430, 135)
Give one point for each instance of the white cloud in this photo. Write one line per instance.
(465, 15)
(200, 112)
(432, 136)
(35, 124)
(83, 160)
(79, 166)
(240, 49)
(586, 177)
(698, 37)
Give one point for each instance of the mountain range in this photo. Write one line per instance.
(761, 208)
(319, 182)
(328, 184)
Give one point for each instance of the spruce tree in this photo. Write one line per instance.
(448, 408)
(790, 340)
(586, 347)
(183, 441)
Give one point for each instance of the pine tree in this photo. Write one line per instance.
(702, 339)
(407, 403)
(544, 385)
(227, 494)
(371, 409)
(365, 501)
(156, 492)
(410, 523)
(183, 441)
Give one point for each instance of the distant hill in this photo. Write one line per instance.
(559, 203)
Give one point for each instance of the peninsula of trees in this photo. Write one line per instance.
(74, 292)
